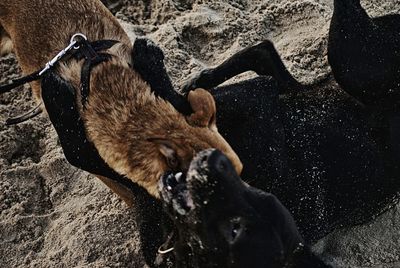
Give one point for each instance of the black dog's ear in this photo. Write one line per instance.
(60, 102)
(148, 61)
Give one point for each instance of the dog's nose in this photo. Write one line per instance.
(215, 161)
(219, 162)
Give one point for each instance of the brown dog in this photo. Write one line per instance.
(138, 134)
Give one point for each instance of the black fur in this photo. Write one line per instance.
(310, 145)
(148, 61)
(221, 222)
(364, 54)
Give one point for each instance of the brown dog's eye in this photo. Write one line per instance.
(172, 162)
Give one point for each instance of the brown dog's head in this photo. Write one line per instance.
(143, 136)
(177, 150)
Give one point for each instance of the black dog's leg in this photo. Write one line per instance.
(154, 227)
(60, 102)
(148, 61)
(262, 58)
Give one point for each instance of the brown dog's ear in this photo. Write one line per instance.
(204, 109)
(168, 149)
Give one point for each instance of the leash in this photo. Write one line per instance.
(80, 48)
(163, 248)
(36, 76)
(74, 44)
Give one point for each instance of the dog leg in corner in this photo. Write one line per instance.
(262, 59)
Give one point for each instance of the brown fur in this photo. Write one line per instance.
(205, 108)
(5, 42)
(135, 132)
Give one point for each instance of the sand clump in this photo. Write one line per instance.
(54, 215)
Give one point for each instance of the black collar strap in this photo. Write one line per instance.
(85, 74)
(90, 52)
(90, 49)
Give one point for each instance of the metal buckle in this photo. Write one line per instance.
(72, 45)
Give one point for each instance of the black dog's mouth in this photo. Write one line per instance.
(174, 192)
(178, 190)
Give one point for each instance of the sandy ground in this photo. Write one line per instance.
(54, 215)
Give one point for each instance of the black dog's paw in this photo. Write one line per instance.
(200, 80)
(146, 51)
(148, 61)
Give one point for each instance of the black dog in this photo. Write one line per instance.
(223, 222)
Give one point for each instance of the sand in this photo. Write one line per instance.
(54, 215)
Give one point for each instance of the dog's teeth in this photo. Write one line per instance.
(178, 176)
(171, 181)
